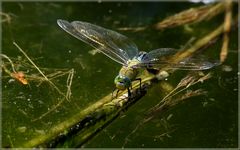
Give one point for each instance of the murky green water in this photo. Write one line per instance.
(205, 121)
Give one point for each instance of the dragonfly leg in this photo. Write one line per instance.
(129, 93)
(113, 93)
(140, 80)
(117, 93)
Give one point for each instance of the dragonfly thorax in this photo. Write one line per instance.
(126, 75)
(136, 60)
(129, 72)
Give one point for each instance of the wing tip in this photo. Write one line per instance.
(59, 21)
(62, 22)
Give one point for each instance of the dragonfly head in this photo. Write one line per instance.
(122, 82)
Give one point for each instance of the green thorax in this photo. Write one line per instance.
(129, 71)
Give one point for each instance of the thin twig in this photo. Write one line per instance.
(227, 28)
(20, 49)
(51, 83)
(7, 17)
(10, 61)
(69, 83)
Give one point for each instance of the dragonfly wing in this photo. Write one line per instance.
(159, 58)
(116, 46)
(160, 53)
(194, 64)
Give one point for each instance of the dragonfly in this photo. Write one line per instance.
(125, 52)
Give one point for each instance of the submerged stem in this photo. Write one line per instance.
(227, 27)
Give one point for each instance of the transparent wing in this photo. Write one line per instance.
(159, 58)
(116, 46)
(160, 53)
(194, 64)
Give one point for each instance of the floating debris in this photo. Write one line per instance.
(20, 76)
(22, 129)
(94, 51)
(162, 75)
(226, 68)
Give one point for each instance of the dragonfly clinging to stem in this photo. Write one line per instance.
(122, 50)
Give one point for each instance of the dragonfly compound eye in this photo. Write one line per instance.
(122, 82)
